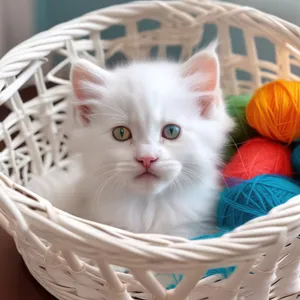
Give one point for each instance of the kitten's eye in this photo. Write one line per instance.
(121, 133)
(171, 132)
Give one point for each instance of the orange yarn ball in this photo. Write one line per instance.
(259, 156)
(274, 110)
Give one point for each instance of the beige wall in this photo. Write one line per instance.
(16, 23)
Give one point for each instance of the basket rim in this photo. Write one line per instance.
(246, 241)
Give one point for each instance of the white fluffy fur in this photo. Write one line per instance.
(145, 96)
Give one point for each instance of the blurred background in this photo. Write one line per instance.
(20, 19)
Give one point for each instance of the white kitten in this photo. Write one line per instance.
(151, 141)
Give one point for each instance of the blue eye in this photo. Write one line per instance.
(171, 132)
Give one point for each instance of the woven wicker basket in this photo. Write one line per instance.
(71, 257)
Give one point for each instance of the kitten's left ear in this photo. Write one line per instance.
(204, 70)
(88, 83)
(204, 65)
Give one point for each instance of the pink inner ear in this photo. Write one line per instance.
(80, 76)
(85, 112)
(210, 67)
(205, 103)
(207, 67)
(84, 82)
(203, 67)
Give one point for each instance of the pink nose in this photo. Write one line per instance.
(147, 160)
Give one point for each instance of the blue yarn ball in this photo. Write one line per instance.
(296, 159)
(253, 198)
(224, 272)
(246, 200)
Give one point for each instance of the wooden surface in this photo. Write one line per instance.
(16, 283)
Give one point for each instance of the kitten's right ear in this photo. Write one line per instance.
(88, 83)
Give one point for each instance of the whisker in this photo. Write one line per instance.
(99, 176)
(123, 182)
(192, 173)
(184, 180)
(100, 190)
(223, 178)
(176, 183)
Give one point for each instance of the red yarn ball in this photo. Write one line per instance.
(259, 156)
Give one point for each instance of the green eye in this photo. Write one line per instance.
(171, 132)
(121, 133)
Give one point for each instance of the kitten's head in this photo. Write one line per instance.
(149, 127)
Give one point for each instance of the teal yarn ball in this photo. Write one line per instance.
(223, 272)
(253, 198)
(244, 201)
(296, 159)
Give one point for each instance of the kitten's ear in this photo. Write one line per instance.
(204, 66)
(204, 70)
(88, 83)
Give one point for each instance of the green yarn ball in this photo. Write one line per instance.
(236, 107)
(229, 152)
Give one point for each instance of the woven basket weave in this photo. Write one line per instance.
(71, 257)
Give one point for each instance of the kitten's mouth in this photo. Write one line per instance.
(147, 175)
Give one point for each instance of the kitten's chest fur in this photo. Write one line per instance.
(189, 214)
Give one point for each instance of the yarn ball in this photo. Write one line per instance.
(229, 152)
(253, 198)
(296, 159)
(231, 181)
(274, 110)
(259, 156)
(236, 107)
